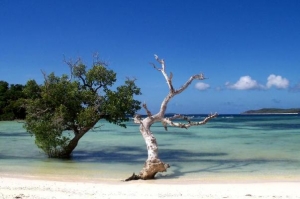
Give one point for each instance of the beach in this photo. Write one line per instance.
(44, 189)
(239, 156)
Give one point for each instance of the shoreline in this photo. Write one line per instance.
(162, 178)
(38, 188)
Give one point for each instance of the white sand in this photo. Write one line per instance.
(38, 189)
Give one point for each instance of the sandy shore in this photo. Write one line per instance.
(38, 189)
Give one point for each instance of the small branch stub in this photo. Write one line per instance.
(147, 110)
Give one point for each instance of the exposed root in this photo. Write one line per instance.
(133, 177)
(152, 168)
(149, 171)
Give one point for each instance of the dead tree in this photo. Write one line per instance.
(153, 164)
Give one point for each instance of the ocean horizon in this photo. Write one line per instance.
(231, 147)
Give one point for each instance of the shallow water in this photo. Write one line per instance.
(228, 148)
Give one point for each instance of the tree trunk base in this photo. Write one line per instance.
(149, 170)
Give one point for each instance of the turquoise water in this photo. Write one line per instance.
(228, 148)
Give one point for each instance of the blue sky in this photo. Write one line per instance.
(249, 50)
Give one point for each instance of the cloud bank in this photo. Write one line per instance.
(244, 83)
(247, 83)
(277, 81)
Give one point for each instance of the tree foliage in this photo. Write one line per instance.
(11, 97)
(63, 109)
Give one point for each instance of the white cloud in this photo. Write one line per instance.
(277, 81)
(202, 86)
(244, 83)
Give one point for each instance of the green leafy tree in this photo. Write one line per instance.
(11, 98)
(16, 97)
(64, 109)
(32, 90)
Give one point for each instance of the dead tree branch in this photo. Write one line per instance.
(147, 110)
(189, 124)
(98, 61)
(172, 91)
(71, 65)
(162, 70)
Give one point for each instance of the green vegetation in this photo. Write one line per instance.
(273, 111)
(64, 109)
(11, 97)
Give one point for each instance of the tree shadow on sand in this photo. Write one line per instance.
(136, 155)
(221, 166)
(216, 161)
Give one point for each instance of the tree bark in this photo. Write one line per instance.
(153, 164)
(67, 151)
(79, 133)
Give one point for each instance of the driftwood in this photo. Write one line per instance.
(153, 164)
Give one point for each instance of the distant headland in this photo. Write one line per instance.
(273, 111)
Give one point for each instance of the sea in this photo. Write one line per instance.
(229, 148)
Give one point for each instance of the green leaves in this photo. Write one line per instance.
(32, 90)
(75, 105)
(120, 103)
(48, 132)
(99, 77)
(11, 101)
(95, 78)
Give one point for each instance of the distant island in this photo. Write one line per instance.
(273, 111)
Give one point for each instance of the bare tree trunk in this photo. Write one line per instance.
(153, 164)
